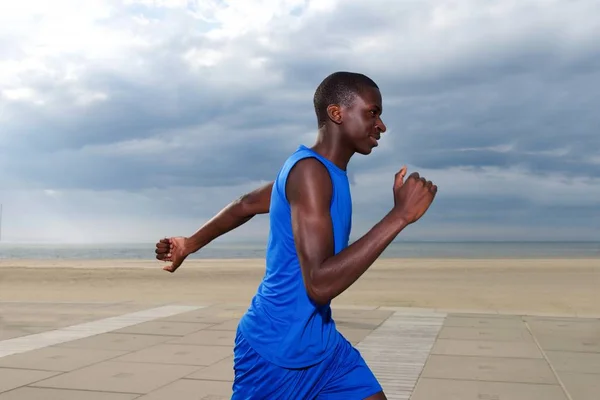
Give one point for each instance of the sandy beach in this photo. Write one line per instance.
(563, 286)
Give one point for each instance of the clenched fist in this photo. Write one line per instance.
(172, 249)
(413, 197)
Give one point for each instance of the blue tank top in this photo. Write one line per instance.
(282, 323)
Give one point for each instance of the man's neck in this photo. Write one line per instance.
(331, 146)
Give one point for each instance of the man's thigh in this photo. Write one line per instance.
(343, 375)
(349, 377)
(256, 378)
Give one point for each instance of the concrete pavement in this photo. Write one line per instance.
(121, 351)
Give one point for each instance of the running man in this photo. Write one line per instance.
(287, 345)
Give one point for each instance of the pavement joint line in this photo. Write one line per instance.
(54, 302)
(488, 311)
(539, 346)
(398, 349)
(80, 331)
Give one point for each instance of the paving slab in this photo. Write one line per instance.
(560, 318)
(207, 337)
(220, 371)
(78, 307)
(14, 378)
(189, 389)
(357, 313)
(572, 329)
(30, 393)
(203, 316)
(483, 322)
(49, 321)
(447, 389)
(121, 377)
(164, 328)
(179, 354)
(357, 307)
(565, 361)
(358, 323)
(467, 312)
(484, 314)
(529, 313)
(557, 342)
(581, 386)
(227, 311)
(58, 358)
(117, 341)
(488, 334)
(354, 335)
(17, 331)
(493, 369)
(229, 325)
(409, 310)
(488, 348)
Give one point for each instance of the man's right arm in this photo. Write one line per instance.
(232, 216)
(326, 275)
(235, 214)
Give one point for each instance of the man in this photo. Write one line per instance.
(287, 345)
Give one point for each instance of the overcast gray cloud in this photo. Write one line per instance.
(131, 120)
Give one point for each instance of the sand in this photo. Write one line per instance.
(554, 286)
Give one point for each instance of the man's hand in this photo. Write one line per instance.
(172, 250)
(413, 197)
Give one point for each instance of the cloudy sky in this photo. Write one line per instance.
(130, 120)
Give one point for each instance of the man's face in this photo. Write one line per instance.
(362, 122)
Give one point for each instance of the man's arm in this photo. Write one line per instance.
(232, 216)
(309, 191)
(235, 214)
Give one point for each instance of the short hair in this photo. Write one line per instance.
(339, 88)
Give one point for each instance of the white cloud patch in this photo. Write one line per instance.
(126, 118)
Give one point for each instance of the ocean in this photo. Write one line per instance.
(257, 250)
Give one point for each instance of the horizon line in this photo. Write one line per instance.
(242, 242)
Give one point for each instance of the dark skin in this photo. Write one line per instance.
(347, 130)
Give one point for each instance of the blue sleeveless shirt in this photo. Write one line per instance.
(283, 324)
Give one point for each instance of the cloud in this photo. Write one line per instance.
(124, 104)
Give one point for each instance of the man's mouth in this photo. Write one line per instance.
(374, 140)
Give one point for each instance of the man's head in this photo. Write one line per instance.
(351, 104)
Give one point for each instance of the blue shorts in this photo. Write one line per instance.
(344, 375)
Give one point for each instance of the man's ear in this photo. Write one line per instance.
(334, 112)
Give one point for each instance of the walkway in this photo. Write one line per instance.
(122, 351)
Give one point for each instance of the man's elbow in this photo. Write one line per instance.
(252, 204)
(319, 294)
(244, 206)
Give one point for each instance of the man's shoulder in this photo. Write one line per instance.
(309, 172)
